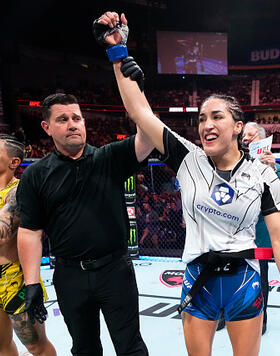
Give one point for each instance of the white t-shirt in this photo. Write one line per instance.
(220, 215)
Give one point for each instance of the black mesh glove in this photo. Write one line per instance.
(34, 303)
(131, 69)
(101, 31)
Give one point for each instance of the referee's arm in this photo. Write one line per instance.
(30, 253)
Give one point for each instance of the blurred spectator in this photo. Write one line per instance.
(151, 231)
(140, 183)
(157, 204)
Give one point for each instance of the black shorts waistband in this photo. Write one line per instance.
(92, 264)
(216, 258)
(215, 263)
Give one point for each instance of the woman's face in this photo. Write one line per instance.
(217, 129)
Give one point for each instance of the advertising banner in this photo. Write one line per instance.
(268, 55)
(130, 190)
(257, 148)
(133, 239)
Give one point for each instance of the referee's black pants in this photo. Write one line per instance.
(113, 290)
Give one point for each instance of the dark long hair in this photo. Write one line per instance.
(234, 108)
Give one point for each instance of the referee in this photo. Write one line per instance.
(76, 195)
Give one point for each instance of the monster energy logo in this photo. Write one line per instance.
(132, 236)
(129, 185)
(133, 239)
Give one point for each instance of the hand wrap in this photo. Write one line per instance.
(129, 67)
(101, 31)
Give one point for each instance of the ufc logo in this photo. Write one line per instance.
(223, 269)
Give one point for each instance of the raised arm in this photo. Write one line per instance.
(138, 108)
(143, 145)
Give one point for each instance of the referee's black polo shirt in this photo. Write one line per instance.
(80, 203)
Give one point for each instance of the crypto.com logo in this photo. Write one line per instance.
(222, 194)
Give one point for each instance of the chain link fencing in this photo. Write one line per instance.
(154, 208)
(160, 225)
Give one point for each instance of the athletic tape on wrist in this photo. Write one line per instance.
(117, 52)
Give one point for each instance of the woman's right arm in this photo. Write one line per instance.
(134, 100)
(139, 109)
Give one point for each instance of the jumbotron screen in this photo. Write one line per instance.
(192, 53)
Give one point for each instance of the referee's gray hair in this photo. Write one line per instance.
(261, 130)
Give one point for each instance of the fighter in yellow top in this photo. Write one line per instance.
(12, 289)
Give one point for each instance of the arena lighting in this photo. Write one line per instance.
(45, 260)
(159, 258)
(34, 103)
(160, 109)
(45, 267)
(176, 109)
(181, 109)
(191, 109)
(121, 136)
(160, 4)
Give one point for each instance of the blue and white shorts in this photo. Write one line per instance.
(239, 295)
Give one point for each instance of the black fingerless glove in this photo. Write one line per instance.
(131, 69)
(34, 303)
(99, 32)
